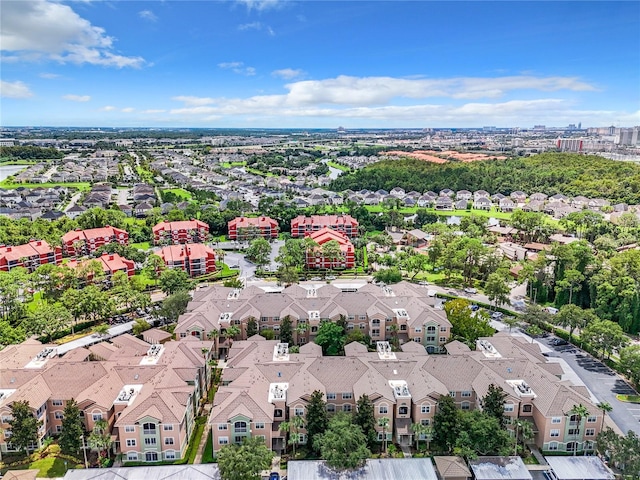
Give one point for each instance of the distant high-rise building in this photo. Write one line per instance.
(626, 136)
(579, 125)
(539, 128)
(570, 144)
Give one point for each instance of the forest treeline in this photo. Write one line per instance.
(29, 153)
(550, 173)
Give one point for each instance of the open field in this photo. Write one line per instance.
(179, 192)
(82, 186)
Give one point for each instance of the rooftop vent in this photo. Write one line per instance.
(388, 292)
(400, 388)
(384, 351)
(234, 294)
(488, 349)
(281, 352)
(278, 392)
(521, 388)
(312, 293)
(314, 314)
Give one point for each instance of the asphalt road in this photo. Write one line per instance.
(603, 383)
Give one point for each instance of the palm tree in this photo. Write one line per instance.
(100, 438)
(302, 328)
(293, 428)
(606, 408)
(526, 433)
(420, 429)
(214, 334)
(384, 423)
(580, 412)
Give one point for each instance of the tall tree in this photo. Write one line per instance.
(259, 251)
(630, 363)
(497, 289)
(604, 335)
(174, 305)
(480, 434)
(47, 320)
(331, 338)
(445, 428)
(580, 412)
(72, 429)
(467, 326)
(286, 330)
(493, 402)
(100, 438)
(292, 428)
(173, 280)
(24, 425)
(246, 461)
(383, 422)
(252, 327)
(365, 419)
(343, 445)
(317, 419)
(573, 317)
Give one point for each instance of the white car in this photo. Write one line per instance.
(470, 290)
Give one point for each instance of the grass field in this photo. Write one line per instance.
(82, 186)
(232, 164)
(179, 192)
(141, 245)
(6, 161)
(493, 213)
(338, 166)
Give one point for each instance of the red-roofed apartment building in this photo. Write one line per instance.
(244, 228)
(195, 258)
(83, 242)
(302, 225)
(29, 256)
(111, 263)
(186, 231)
(315, 259)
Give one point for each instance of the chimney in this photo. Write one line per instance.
(8, 249)
(38, 243)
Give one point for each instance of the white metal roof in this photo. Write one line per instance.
(579, 468)
(374, 469)
(157, 472)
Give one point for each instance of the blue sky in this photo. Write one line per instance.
(324, 64)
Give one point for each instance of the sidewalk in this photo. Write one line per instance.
(203, 438)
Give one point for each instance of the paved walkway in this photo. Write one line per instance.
(203, 438)
(406, 451)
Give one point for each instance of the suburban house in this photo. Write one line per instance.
(29, 256)
(83, 242)
(148, 394)
(315, 257)
(264, 384)
(302, 225)
(186, 231)
(248, 228)
(194, 258)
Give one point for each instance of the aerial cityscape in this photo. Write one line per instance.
(267, 239)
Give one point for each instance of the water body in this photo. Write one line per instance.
(8, 170)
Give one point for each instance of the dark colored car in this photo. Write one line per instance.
(559, 341)
(274, 476)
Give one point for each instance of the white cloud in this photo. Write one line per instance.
(193, 101)
(148, 15)
(108, 108)
(238, 67)
(261, 5)
(16, 89)
(287, 73)
(128, 109)
(153, 110)
(250, 26)
(77, 98)
(37, 29)
(49, 76)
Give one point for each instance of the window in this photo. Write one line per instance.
(346, 407)
(58, 415)
(314, 329)
(6, 418)
(168, 441)
(56, 403)
(452, 394)
(383, 408)
(240, 427)
(590, 432)
(151, 456)
(425, 408)
(574, 431)
(149, 428)
(425, 422)
(129, 428)
(347, 396)
(150, 441)
(96, 417)
(331, 396)
(509, 407)
(375, 321)
(132, 456)
(418, 330)
(417, 339)
(465, 405)
(331, 407)
(527, 408)
(131, 442)
(170, 455)
(554, 432)
(443, 329)
(403, 410)
(431, 338)
(591, 419)
(277, 412)
(362, 326)
(259, 425)
(375, 332)
(556, 419)
(264, 319)
(553, 446)
(466, 394)
(302, 438)
(431, 329)
(380, 436)
(443, 339)
(58, 428)
(223, 440)
(222, 426)
(167, 428)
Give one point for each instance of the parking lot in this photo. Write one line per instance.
(603, 382)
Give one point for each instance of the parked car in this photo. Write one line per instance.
(234, 266)
(497, 315)
(474, 307)
(470, 290)
(274, 476)
(559, 341)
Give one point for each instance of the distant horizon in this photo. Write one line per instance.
(319, 65)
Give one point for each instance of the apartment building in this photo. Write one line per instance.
(194, 258)
(174, 233)
(29, 256)
(371, 309)
(245, 228)
(315, 257)
(85, 242)
(264, 385)
(302, 225)
(148, 394)
(110, 262)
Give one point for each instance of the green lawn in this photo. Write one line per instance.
(179, 192)
(142, 245)
(232, 164)
(207, 454)
(628, 398)
(338, 166)
(444, 213)
(6, 161)
(82, 186)
(49, 467)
